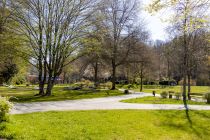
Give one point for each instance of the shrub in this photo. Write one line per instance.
(164, 94)
(178, 95)
(207, 97)
(5, 106)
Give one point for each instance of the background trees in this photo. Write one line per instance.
(189, 17)
(105, 39)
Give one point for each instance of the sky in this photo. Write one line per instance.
(154, 24)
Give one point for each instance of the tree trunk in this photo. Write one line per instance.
(169, 76)
(189, 87)
(141, 78)
(113, 77)
(41, 84)
(50, 84)
(96, 75)
(141, 86)
(64, 78)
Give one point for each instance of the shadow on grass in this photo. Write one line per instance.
(187, 112)
(190, 121)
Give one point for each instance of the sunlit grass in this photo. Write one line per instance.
(109, 125)
(159, 89)
(158, 100)
(26, 94)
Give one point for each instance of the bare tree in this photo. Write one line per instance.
(53, 29)
(188, 17)
(118, 20)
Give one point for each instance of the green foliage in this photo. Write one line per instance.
(18, 79)
(9, 71)
(5, 106)
(164, 94)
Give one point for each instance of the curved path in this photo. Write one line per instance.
(106, 103)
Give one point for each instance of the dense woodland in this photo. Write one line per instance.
(102, 41)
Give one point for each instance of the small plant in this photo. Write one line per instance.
(164, 94)
(178, 95)
(207, 97)
(5, 106)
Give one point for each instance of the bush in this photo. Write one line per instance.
(5, 106)
(164, 94)
(207, 97)
(178, 95)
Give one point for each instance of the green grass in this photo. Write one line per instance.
(158, 100)
(109, 125)
(26, 94)
(159, 89)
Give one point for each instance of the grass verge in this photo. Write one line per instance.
(158, 100)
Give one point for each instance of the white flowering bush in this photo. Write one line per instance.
(5, 106)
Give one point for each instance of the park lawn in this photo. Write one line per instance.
(109, 125)
(26, 94)
(159, 100)
(159, 89)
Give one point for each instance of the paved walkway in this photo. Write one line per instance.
(107, 103)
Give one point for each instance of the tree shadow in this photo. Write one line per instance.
(187, 112)
(193, 121)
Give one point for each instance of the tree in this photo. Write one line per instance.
(10, 42)
(118, 20)
(52, 29)
(188, 17)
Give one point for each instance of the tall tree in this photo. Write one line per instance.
(118, 20)
(53, 29)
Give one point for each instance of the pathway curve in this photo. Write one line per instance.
(106, 103)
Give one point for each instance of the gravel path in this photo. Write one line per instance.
(106, 103)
